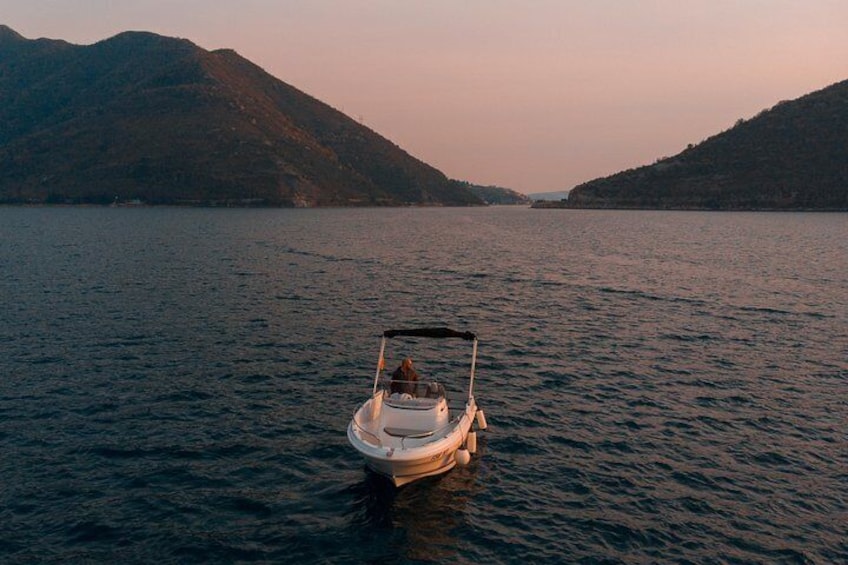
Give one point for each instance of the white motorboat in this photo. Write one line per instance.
(416, 433)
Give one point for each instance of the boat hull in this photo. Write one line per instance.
(402, 473)
(405, 460)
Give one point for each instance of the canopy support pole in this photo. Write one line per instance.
(380, 364)
(473, 367)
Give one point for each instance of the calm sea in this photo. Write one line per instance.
(175, 385)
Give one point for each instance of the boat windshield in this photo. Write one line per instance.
(411, 389)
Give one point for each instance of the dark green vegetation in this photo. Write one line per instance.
(791, 157)
(498, 195)
(549, 196)
(140, 116)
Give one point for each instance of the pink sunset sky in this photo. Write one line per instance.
(535, 95)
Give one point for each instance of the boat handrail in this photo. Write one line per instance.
(362, 429)
(414, 434)
(417, 434)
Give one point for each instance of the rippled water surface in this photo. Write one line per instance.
(175, 385)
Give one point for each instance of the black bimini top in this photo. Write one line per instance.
(430, 332)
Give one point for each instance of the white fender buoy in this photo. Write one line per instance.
(481, 420)
(471, 442)
(463, 458)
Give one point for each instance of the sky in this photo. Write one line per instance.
(534, 95)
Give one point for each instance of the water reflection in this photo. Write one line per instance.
(420, 521)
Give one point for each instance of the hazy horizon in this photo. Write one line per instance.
(536, 96)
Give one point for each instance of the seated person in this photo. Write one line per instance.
(404, 378)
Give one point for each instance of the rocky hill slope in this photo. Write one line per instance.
(793, 156)
(498, 195)
(161, 120)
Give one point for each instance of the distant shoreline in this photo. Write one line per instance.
(244, 206)
(423, 206)
(561, 206)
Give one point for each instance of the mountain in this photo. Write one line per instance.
(793, 156)
(548, 196)
(159, 119)
(497, 194)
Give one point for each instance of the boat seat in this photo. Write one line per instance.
(404, 432)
